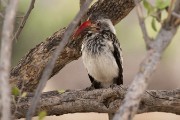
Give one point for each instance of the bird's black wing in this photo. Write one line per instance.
(117, 52)
(94, 82)
(119, 59)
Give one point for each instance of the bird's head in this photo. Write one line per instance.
(105, 24)
(95, 26)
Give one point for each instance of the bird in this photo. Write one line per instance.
(101, 53)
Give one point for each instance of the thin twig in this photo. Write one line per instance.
(170, 9)
(48, 69)
(142, 25)
(24, 19)
(3, 3)
(148, 66)
(81, 2)
(16, 102)
(176, 15)
(1, 15)
(5, 59)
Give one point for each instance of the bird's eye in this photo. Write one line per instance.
(98, 29)
(89, 34)
(98, 24)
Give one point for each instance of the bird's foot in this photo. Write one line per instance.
(113, 86)
(90, 88)
(69, 90)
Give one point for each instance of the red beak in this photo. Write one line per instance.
(82, 27)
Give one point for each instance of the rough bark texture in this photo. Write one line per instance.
(28, 71)
(100, 100)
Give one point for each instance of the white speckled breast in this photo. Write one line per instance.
(101, 66)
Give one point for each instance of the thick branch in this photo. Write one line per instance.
(101, 100)
(5, 59)
(28, 71)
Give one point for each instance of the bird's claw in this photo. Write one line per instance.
(89, 88)
(113, 86)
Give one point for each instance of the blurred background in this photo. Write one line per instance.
(49, 16)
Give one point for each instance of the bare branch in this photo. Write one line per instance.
(148, 66)
(1, 15)
(49, 68)
(24, 19)
(141, 19)
(170, 9)
(176, 15)
(101, 101)
(81, 2)
(5, 59)
(3, 3)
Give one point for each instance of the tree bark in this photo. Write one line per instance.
(5, 59)
(27, 73)
(101, 101)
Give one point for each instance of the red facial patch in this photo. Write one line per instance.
(82, 27)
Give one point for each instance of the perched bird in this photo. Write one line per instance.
(101, 53)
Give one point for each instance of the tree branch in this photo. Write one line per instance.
(5, 59)
(147, 67)
(142, 25)
(81, 2)
(176, 15)
(30, 68)
(101, 101)
(23, 21)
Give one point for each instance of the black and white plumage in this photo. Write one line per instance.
(101, 53)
